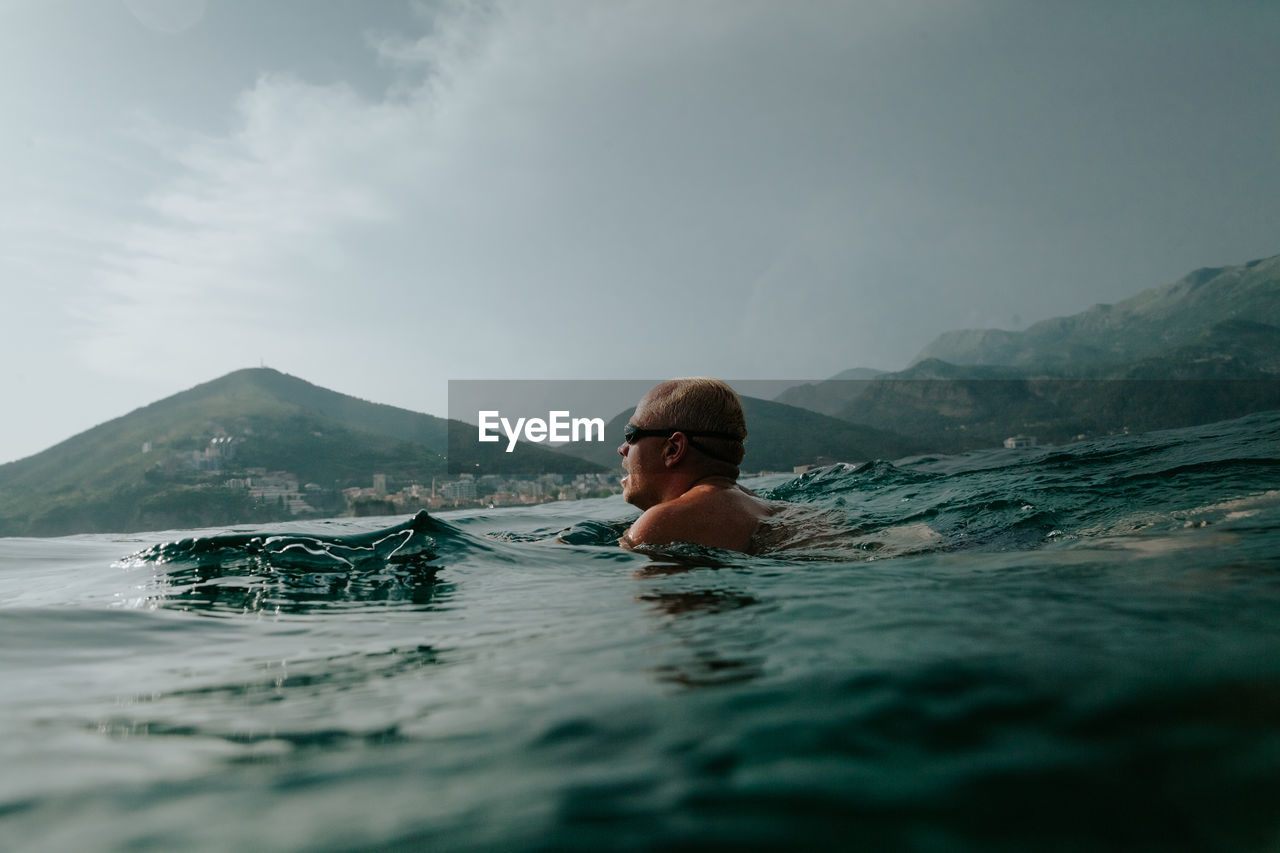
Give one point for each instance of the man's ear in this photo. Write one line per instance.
(675, 449)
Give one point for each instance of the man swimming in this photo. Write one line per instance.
(681, 454)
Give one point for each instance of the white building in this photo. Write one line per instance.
(464, 490)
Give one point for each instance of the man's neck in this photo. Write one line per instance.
(715, 481)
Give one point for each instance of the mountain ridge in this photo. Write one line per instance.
(1140, 326)
(190, 451)
(1204, 348)
(174, 462)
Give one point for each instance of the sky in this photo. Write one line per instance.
(382, 196)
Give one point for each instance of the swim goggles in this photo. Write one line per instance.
(632, 433)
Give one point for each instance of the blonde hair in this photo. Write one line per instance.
(701, 404)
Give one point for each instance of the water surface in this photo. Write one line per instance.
(1051, 648)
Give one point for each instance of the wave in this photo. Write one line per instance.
(996, 500)
(299, 572)
(416, 542)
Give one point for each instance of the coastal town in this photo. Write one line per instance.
(467, 490)
(285, 494)
(383, 496)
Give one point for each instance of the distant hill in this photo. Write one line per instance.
(1230, 349)
(781, 437)
(429, 431)
(830, 396)
(1148, 325)
(950, 408)
(168, 464)
(1202, 349)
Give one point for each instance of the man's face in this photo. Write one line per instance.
(642, 463)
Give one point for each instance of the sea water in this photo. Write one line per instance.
(1048, 648)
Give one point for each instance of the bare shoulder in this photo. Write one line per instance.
(662, 525)
(718, 519)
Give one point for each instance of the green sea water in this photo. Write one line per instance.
(1060, 648)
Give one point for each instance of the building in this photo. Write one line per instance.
(459, 490)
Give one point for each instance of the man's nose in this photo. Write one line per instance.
(622, 449)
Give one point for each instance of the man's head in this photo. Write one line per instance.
(689, 429)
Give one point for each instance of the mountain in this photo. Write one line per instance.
(1229, 349)
(951, 408)
(1148, 325)
(184, 460)
(426, 430)
(781, 437)
(830, 396)
(1204, 348)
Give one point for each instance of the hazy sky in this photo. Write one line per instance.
(380, 196)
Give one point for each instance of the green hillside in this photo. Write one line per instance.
(1205, 348)
(951, 408)
(1144, 326)
(189, 460)
(426, 430)
(829, 397)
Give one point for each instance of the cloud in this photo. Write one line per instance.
(621, 189)
(167, 16)
(535, 171)
(609, 188)
(248, 229)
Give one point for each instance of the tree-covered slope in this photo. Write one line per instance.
(1205, 348)
(1144, 326)
(181, 461)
